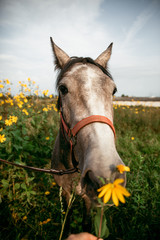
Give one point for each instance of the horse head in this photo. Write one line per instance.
(86, 88)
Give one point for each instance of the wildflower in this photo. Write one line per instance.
(45, 222)
(1, 94)
(53, 183)
(1, 129)
(20, 105)
(2, 138)
(121, 168)
(45, 92)
(25, 111)
(55, 108)
(33, 82)
(29, 79)
(132, 138)
(0, 118)
(8, 122)
(25, 217)
(36, 92)
(114, 190)
(50, 96)
(45, 109)
(47, 193)
(9, 100)
(14, 119)
(47, 138)
(1, 86)
(7, 81)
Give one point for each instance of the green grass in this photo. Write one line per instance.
(27, 212)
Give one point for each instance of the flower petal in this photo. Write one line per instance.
(120, 195)
(104, 190)
(107, 196)
(123, 190)
(118, 181)
(114, 197)
(121, 168)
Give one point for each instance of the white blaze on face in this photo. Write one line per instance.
(101, 142)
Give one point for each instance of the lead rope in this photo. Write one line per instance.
(50, 171)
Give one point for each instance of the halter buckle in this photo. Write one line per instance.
(72, 139)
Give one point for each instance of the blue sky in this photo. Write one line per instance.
(82, 28)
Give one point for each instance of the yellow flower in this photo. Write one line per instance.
(25, 217)
(132, 138)
(29, 79)
(7, 81)
(1, 129)
(25, 111)
(53, 183)
(45, 92)
(47, 193)
(55, 108)
(20, 105)
(36, 92)
(45, 222)
(1, 94)
(50, 96)
(14, 119)
(114, 190)
(0, 118)
(1, 86)
(8, 122)
(121, 168)
(2, 138)
(45, 109)
(47, 138)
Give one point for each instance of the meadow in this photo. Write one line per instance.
(31, 206)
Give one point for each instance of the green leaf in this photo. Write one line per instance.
(104, 228)
(29, 179)
(16, 186)
(33, 192)
(23, 186)
(10, 195)
(5, 183)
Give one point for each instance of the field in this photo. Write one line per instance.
(30, 202)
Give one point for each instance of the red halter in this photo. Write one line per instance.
(72, 132)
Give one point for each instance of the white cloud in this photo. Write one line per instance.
(76, 26)
(140, 21)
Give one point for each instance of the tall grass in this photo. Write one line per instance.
(29, 202)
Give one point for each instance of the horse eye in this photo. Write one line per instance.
(63, 89)
(114, 91)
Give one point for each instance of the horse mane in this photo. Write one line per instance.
(75, 60)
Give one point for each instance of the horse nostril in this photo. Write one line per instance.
(90, 183)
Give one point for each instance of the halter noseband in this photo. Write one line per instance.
(72, 132)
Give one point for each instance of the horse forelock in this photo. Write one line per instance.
(82, 60)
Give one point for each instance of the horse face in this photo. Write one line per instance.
(86, 90)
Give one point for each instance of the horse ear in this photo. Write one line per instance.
(104, 57)
(61, 58)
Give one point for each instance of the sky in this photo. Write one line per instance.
(82, 28)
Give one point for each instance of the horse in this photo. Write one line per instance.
(86, 138)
